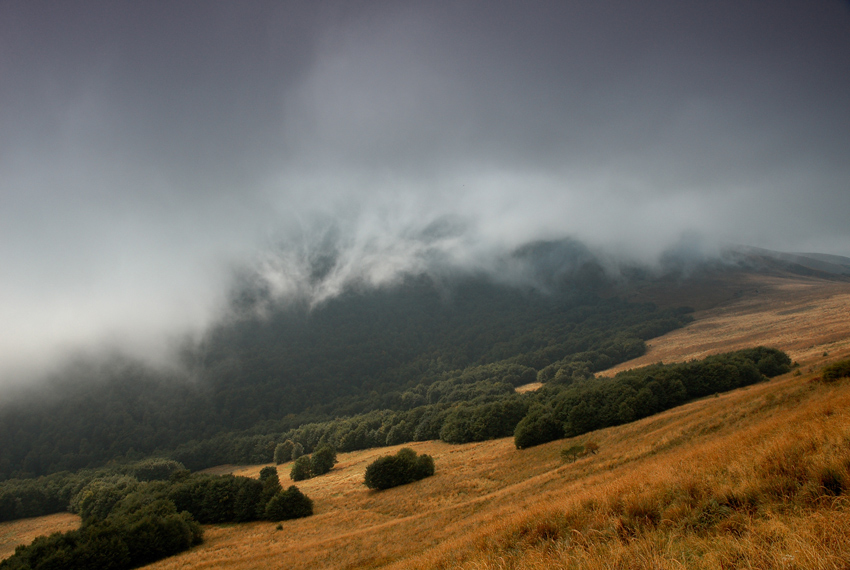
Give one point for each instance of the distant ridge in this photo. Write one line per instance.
(832, 260)
(812, 264)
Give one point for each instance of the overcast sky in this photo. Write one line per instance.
(147, 149)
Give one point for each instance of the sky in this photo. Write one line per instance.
(151, 151)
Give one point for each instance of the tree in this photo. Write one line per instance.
(154, 469)
(289, 504)
(539, 426)
(301, 469)
(399, 433)
(283, 452)
(424, 467)
(574, 452)
(271, 484)
(323, 459)
(97, 499)
(399, 469)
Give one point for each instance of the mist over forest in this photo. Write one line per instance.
(154, 156)
(261, 233)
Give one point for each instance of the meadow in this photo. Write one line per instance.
(14, 533)
(754, 478)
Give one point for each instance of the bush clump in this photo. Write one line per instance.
(399, 469)
(309, 466)
(833, 372)
(127, 523)
(289, 504)
(574, 452)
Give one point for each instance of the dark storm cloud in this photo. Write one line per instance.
(148, 148)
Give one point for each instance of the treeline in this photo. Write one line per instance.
(396, 349)
(560, 409)
(136, 533)
(128, 523)
(24, 498)
(567, 405)
(474, 404)
(574, 408)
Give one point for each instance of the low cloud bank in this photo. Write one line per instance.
(154, 157)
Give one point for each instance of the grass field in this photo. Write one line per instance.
(732, 481)
(755, 478)
(803, 316)
(752, 478)
(14, 533)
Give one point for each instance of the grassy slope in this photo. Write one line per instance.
(14, 533)
(802, 315)
(658, 492)
(647, 497)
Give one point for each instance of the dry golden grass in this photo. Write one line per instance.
(731, 481)
(735, 481)
(531, 387)
(745, 491)
(15, 533)
(803, 316)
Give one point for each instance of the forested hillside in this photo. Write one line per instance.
(424, 341)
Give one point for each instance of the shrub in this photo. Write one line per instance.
(399, 469)
(840, 369)
(572, 453)
(289, 504)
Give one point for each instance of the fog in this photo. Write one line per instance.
(151, 153)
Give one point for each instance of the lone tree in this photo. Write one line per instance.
(574, 452)
(399, 469)
(289, 504)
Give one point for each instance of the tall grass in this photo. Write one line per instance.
(769, 492)
(756, 478)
